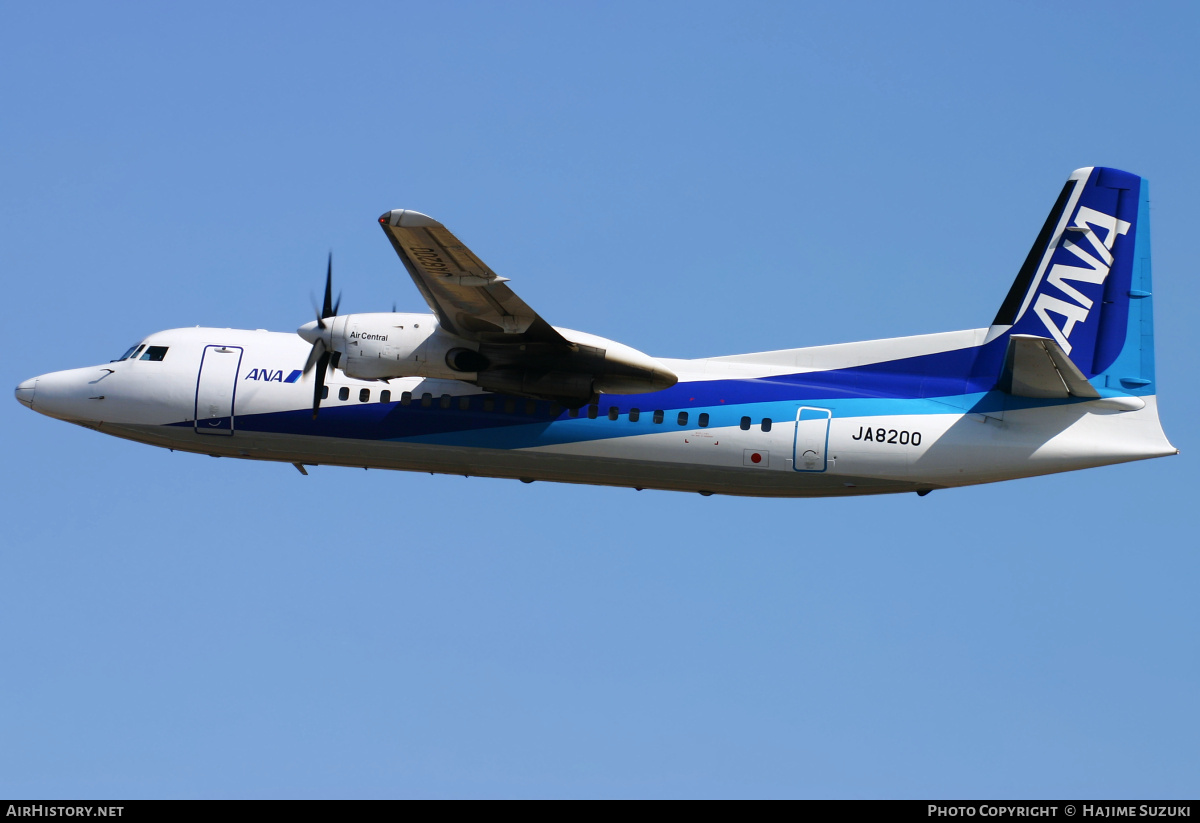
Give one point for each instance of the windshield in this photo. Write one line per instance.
(128, 353)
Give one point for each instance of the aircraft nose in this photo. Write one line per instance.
(67, 395)
(24, 392)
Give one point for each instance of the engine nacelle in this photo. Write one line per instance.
(390, 344)
(624, 369)
(563, 386)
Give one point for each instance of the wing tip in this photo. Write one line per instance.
(408, 219)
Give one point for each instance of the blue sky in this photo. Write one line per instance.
(689, 178)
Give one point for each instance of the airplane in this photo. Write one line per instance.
(1062, 379)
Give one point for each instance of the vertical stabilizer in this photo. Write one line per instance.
(1086, 282)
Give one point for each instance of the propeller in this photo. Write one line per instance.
(329, 308)
(320, 356)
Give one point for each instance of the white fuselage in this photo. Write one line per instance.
(765, 425)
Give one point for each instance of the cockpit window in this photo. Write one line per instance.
(155, 353)
(133, 352)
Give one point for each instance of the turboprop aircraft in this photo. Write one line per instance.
(1062, 379)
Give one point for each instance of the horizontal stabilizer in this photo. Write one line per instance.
(1038, 367)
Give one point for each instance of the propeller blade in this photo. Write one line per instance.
(317, 350)
(319, 383)
(327, 308)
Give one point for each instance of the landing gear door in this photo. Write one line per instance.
(216, 386)
(812, 439)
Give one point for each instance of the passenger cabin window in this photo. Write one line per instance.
(683, 418)
(385, 396)
(745, 424)
(613, 412)
(530, 406)
(766, 424)
(593, 412)
(155, 353)
(444, 402)
(464, 403)
(324, 392)
(364, 395)
(703, 420)
(634, 415)
(426, 400)
(658, 415)
(573, 412)
(344, 393)
(510, 406)
(489, 404)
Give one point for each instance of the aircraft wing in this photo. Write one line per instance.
(469, 299)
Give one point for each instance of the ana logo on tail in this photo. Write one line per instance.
(1093, 270)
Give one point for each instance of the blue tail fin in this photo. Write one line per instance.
(1086, 281)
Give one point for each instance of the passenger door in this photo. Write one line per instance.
(216, 386)
(812, 439)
